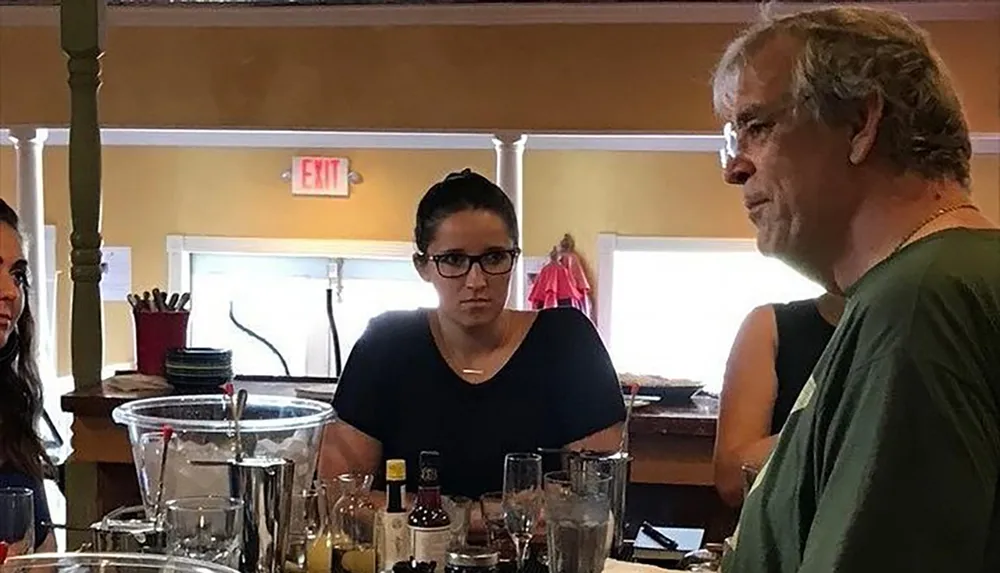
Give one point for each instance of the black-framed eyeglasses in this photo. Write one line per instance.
(457, 265)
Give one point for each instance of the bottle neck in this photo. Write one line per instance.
(394, 493)
(429, 496)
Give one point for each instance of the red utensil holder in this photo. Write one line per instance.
(156, 333)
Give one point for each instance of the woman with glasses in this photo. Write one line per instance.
(21, 451)
(471, 379)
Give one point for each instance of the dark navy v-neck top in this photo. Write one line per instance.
(558, 387)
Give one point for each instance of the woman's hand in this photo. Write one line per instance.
(538, 536)
(49, 545)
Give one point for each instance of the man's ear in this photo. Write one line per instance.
(866, 130)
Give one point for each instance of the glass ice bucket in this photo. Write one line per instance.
(107, 563)
(271, 426)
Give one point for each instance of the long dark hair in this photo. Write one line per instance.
(20, 385)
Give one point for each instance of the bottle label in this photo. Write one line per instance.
(431, 544)
(395, 541)
(428, 475)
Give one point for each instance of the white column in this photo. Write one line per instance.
(28, 145)
(510, 177)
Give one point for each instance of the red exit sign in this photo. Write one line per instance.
(327, 176)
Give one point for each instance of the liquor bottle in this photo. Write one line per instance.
(430, 526)
(393, 532)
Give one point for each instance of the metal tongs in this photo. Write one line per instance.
(168, 433)
(237, 404)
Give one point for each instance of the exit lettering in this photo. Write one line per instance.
(327, 176)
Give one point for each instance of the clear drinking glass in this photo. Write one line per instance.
(205, 528)
(577, 521)
(307, 525)
(314, 520)
(17, 520)
(459, 510)
(352, 525)
(522, 500)
(491, 507)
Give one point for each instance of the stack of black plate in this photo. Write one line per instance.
(198, 370)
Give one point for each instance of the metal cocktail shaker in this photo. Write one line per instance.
(127, 530)
(265, 486)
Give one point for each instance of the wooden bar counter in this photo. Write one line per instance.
(671, 445)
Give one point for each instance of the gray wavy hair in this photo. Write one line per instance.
(847, 55)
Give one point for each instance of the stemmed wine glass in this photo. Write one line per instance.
(522, 500)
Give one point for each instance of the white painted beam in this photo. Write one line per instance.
(683, 142)
(127, 137)
(487, 14)
(982, 143)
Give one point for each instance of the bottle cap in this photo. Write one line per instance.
(395, 470)
(429, 461)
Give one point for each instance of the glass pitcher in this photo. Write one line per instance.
(352, 525)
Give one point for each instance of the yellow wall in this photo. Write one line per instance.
(152, 192)
(652, 77)
(986, 184)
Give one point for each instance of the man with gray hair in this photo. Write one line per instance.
(850, 145)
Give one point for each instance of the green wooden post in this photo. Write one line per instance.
(82, 25)
(82, 31)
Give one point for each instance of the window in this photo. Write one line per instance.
(675, 305)
(278, 290)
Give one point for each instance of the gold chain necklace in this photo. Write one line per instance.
(451, 357)
(933, 217)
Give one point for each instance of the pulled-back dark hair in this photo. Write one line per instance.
(462, 191)
(20, 386)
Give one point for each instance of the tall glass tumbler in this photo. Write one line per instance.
(577, 522)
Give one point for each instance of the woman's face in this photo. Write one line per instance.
(13, 278)
(475, 297)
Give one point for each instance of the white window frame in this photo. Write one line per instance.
(609, 243)
(181, 248)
